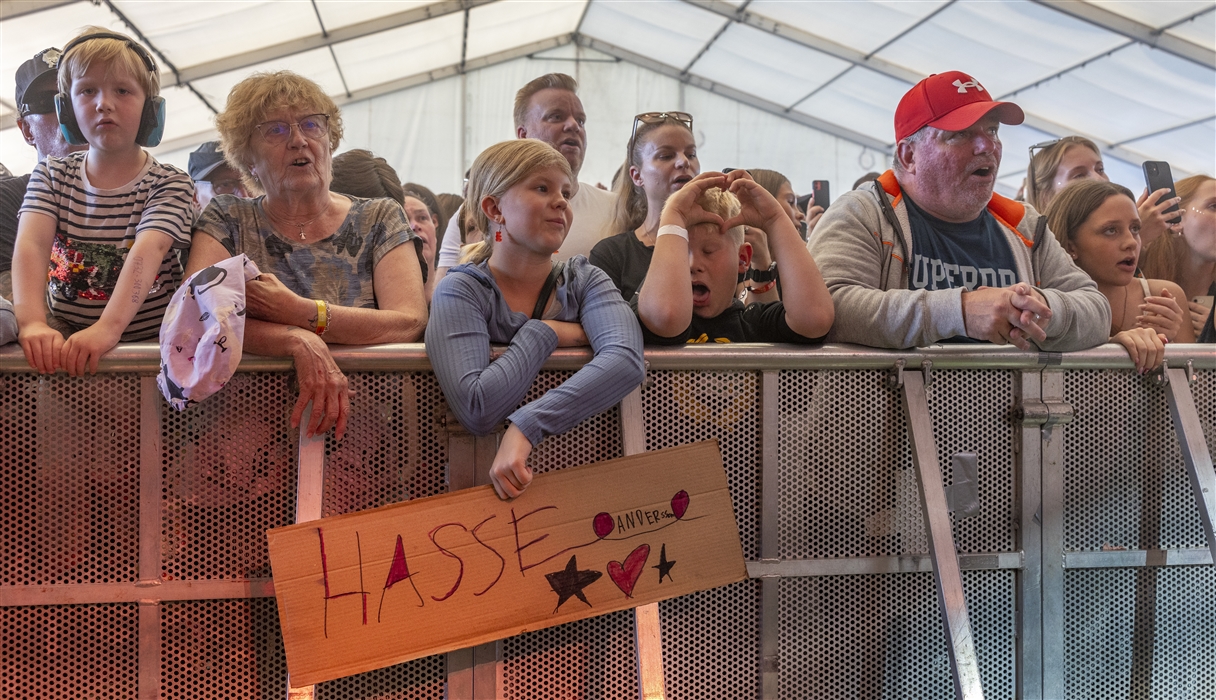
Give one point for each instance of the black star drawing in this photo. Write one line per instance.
(664, 566)
(570, 582)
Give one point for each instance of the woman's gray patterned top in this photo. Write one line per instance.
(337, 269)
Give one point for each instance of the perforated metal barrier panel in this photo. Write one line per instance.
(1144, 632)
(135, 564)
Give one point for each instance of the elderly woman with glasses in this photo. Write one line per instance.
(660, 158)
(335, 269)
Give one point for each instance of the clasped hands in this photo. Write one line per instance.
(1014, 315)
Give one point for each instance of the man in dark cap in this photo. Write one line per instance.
(929, 253)
(212, 175)
(36, 88)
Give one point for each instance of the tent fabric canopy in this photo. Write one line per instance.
(1139, 78)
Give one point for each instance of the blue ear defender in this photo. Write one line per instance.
(152, 120)
(67, 121)
(152, 125)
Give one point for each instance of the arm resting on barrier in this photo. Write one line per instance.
(479, 391)
(616, 369)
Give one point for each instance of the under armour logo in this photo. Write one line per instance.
(962, 87)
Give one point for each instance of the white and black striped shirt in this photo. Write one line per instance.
(96, 228)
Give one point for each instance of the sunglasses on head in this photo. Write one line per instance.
(658, 118)
(1042, 145)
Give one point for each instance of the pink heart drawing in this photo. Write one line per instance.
(602, 525)
(679, 504)
(625, 577)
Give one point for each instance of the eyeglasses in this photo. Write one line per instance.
(225, 186)
(314, 127)
(1042, 145)
(658, 118)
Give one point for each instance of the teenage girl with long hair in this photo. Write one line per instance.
(1097, 224)
(512, 293)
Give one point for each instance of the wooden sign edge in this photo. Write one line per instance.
(559, 475)
(303, 678)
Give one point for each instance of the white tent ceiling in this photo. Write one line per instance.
(1139, 78)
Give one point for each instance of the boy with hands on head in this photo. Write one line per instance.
(699, 255)
(102, 221)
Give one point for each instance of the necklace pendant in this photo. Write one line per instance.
(302, 233)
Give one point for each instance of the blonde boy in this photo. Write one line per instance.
(689, 292)
(103, 221)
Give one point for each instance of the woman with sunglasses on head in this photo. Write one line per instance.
(335, 269)
(513, 293)
(660, 158)
(1097, 224)
(1055, 163)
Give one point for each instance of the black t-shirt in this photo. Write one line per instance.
(754, 323)
(12, 192)
(946, 255)
(625, 259)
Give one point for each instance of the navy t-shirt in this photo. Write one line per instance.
(946, 255)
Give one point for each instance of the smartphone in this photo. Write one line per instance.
(821, 192)
(1157, 176)
(1205, 301)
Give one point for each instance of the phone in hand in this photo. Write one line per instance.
(1157, 176)
(1204, 300)
(821, 193)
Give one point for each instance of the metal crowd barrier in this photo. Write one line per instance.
(949, 522)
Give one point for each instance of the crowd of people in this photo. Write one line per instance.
(100, 236)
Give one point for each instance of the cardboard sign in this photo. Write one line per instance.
(366, 590)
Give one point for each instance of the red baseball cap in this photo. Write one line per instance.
(950, 101)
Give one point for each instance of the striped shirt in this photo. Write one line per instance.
(96, 228)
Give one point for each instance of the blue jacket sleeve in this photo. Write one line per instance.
(616, 369)
(480, 392)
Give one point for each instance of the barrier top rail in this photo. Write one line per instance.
(145, 358)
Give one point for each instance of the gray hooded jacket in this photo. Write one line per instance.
(861, 250)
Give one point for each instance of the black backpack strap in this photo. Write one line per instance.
(888, 213)
(1040, 228)
(546, 291)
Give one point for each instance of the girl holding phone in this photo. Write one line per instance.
(1189, 258)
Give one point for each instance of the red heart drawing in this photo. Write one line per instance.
(626, 576)
(679, 504)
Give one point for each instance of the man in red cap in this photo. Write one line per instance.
(929, 253)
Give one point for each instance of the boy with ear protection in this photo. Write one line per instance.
(699, 255)
(102, 221)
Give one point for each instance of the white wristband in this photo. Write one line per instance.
(672, 230)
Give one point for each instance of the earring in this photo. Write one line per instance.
(498, 235)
